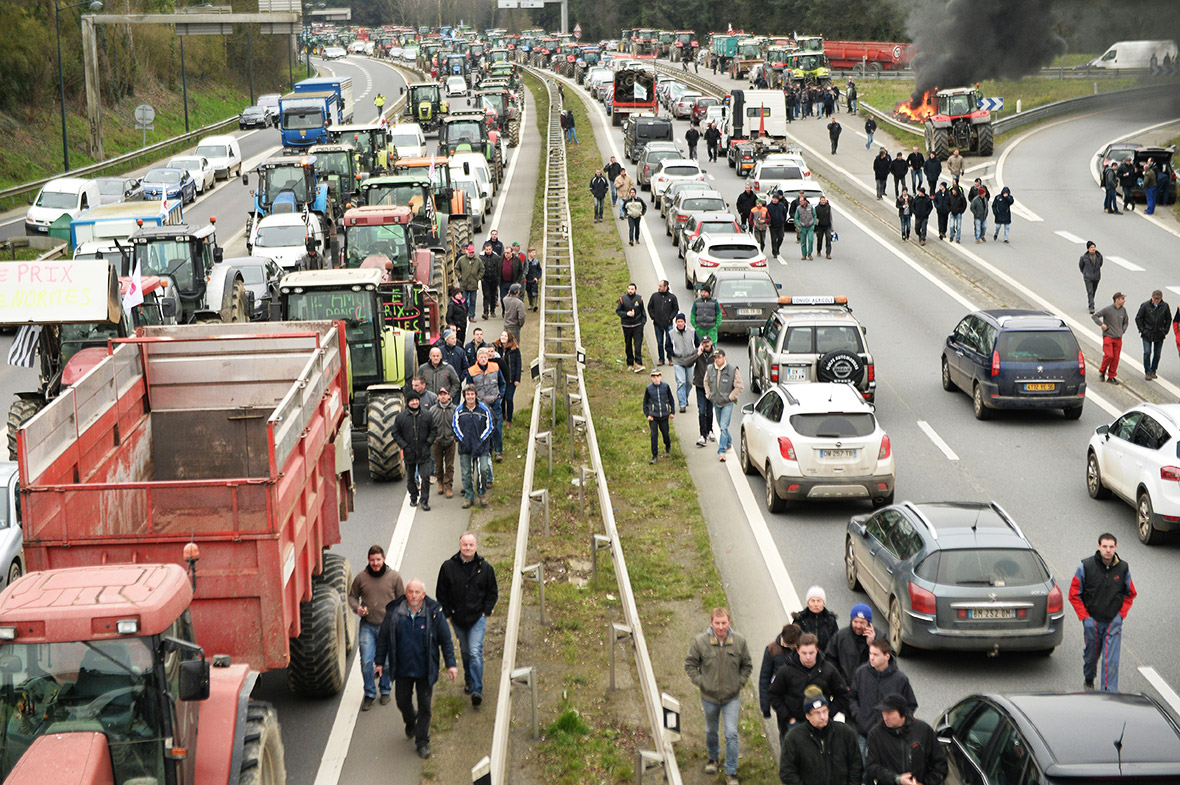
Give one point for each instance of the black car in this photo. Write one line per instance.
(1044, 739)
(1015, 359)
(1165, 172)
(254, 117)
(639, 130)
(747, 298)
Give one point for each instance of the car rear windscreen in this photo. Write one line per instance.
(746, 289)
(834, 425)
(653, 131)
(701, 205)
(719, 227)
(781, 173)
(1037, 346)
(990, 567)
(732, 251)
(681, 171)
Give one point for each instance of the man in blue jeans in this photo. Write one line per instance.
(1154, 321)
(1102, 593)
(719, 665)
(372, 589)
(467, 591)
(723, 386)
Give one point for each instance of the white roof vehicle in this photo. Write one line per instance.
(672, 169)
(456, 85)
(408, 139)
(283, 237)
(779, 166)
(223, 153)
(198, 167)
(708, 253)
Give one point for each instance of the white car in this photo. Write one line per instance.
(481, 205)
(456, 85)
(334, 53)
(816, 441)
(408, 139)
(475, 165)
(791, 188)
(198, 168)
(1137, 458)
(779, 166)
(682, 106)
(671, 170)
(709, 253)
(283, 238)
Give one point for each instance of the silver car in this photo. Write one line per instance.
(12, 552)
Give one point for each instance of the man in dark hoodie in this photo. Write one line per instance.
(467, 591)
(745, 203)
(922, 207)
(415, 433)
(898, 168)
(904, 750)
(662, 307)
(823, 226)
(442, 452)
(774, 657)
(874, 680)
(881, 169)
(818, 751)
(941, 199)
(492, 262)
(372, 589)
(803, 668)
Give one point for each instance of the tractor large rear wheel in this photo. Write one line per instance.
(235, 310)
(498, 164)
(987, 139)
(438, 274)
(20, 412)
(514, 133)
(319, 655)
(940, 143)
(459, 236)
(385, 456)
(262, 760)
(337, 573)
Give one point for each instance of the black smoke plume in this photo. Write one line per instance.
(960, 42)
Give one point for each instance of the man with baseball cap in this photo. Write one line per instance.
(904, 749)
(659, 407)
(818, 751)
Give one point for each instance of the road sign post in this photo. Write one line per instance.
(992, 104)
(145, 115)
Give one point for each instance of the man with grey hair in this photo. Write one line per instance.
(467, 590)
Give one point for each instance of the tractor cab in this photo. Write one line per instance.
(369, 139)
(958, 102)
(181, 255)
(381, 236)
(425, 104)
(286, 184)
(413, 191)
(809, 43)
(497, 55)
(336, 165)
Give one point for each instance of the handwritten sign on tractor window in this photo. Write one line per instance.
(52, 292)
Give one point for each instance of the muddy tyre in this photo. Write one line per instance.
(235, 310)
(385, 456)
(20, 412)
(987, 139)
(939, 143)
(514, 134)
(337, 573)
(262, 761)
(318, 656)
(459, 235)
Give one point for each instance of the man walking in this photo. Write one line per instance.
(489, 384)
(413, 633)
(473, 426)
(712, 140)
(898, 168)
(442, 452)
(745, 203)
(659, 407)
(871, 683)
(759, 217)
(1110, 183)
(414, 431)
(1114, 322)
(903, 749)
(881, 168)
(632, 318)
(612, 170)
(662, 307)
(467, 592)
(941, 200)
(635, 208)
(805, 226)
(1150, 179)
(1101, 593)
(1002, 212)
(704, 362)
(706, 314)
(1090, 265)
(371, 591)
(957, 204)
(511, 272)
(1127, 177)
(922, 207)
(532, 277)
(624, 187)
(818, 751)
(719, 665)
(514, 313)
(723, 386)
(469, 271)
(916, 163)
(692, 136)
(776, 213)
(933, 169)
(492, 264)
(834, 129)
(598, 189)
(848, 649)
(438, 373)
(1154, 320)
(870, 129)
(823, 226)
(979, 214)
(955, 164)
(683, 356)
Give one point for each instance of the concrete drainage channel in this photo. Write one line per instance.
(562, 388)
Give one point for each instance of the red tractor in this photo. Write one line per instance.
(958, 122)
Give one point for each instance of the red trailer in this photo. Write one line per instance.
(231, 438)
(874, 56)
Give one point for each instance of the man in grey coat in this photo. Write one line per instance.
(1090, 266)
(514, 311)
(684, 357)
(1114, 321)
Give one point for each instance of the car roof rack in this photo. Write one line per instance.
(1011, 521)
(913, 508)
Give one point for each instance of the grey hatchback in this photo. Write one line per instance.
(954, 575)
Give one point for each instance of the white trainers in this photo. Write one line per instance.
(701, 442)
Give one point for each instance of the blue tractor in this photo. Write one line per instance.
(288, 184)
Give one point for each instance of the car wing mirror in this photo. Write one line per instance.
(1103, 430)
(778, 286)
(944, 733)
(756, 332)
(748, 408)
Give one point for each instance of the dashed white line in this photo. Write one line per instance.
(1073, 238)
(1175, 289)
(938, 441)
(1121, 262)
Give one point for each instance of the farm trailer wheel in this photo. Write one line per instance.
(318, 656)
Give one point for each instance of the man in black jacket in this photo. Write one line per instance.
(712, 141)
(659, 407)
(872, 681)
(849, 647)
(922, 207)
(942, 205)
(818, 751)
(415, 432)
(917, 164)
(467, 591)
(1154, 320)
(492, 264)
(777, 220)
(745, 203)
(1101, 594)
(598, 188)
(804, 668)
(898, 168)
(823, 226)
(632, 318)
(881, 169)
(692, 136)
(612, 170)
(834, 129)
(662, 307)
(904, 750)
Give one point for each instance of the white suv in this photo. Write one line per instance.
(1137, 457)
(671, 170)
(816, 441)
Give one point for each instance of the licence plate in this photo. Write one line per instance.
(847, 454)
(991, 613)
(796, 374)
(749, 311)
(1040, 387)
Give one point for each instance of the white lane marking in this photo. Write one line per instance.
(938, 441)
(1073, 238)
(1121, 262)
(977, 167)
(1175, 289)
(340, 738)
(1162, 687)
(787, 596)
(1025, 213)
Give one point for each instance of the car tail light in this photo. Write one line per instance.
(786, 449)
(1170, 473)
(759, 263)
(774, 374)
(806, 174)
(757, 186)
(886, 448)
(996, 362)
(682, 218)
(1054, 603)
(871, 372)
(706, 262)
(1081, 363)
(921, 600)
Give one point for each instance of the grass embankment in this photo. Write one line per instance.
(590, 734)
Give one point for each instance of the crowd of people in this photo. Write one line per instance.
(1149, 177)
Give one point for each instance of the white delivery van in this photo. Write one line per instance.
(408, 139)
(754, 111)
(223, 153)
(65, 195)
(1136, 54)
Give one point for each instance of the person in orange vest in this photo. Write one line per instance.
(759, 216)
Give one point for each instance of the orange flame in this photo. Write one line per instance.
(907, 111)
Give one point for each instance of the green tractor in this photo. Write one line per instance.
(425, 105)
(336, 165)
(469, 132)
(495, 96)
(372, 144)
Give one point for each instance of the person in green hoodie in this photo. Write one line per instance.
(719, 665)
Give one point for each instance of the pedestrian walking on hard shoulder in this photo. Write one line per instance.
(818, 751)
(823, 226)
(453, 353)
(881, 170)
(371, 591)
(903, 749)
(704, 361)
(635, 208)
(682, 355)
(916, 162)
(870, 129)
(1153, 320)
(849, 647)
(1002, 212)
(624, 187)
(662, 307)
(774, 657)
(457, 312)
(1102, 593)
(898, 168)
(414, 431)
(905, 211)
(490, 283)
(442, 452)
(719, 665)
(571, 127)
(723, 386)
(612, 169)
(803, 669)
(514, 311)
(692, 136)
(941, 200)
(413, 634)
(469, 271)
(957, 201)
(1114, 322)
(467, 592)
(1090, 266)
(532, 278)
(776, 213)
(508, 348)
(816, 618)
(659, 407)
(511, 272)
(471, 350)
(1110, 184)
(488, 380)
(473, 426)
(439, 373)
(872, 681)
(598, 188)
(632, 318)
(979, 215)
(705, 315)
(834, 129)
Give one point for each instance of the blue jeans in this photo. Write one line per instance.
(729, 713)
(614, 196)
(915, 180)
(1110, 203)
(1151, 355)
(663, 342)
(497, 427)
(723, 414)
(1005, 227)
(905, 225)
(471, 649)
(869, 143)
(1103, 638)
(470, 294)
(571, 135)
(633, 229)
(598, 208)
(504, 287)
(1149, 193)
(980, 229)
(852, 105)
(367, 640)
(956, 230)
(474, 472)
(704, 413)
(683, 376)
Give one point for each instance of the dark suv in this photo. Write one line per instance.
(1015, 359)
(641, 129)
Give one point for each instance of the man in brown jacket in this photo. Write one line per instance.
(372, 589)
(623, 186)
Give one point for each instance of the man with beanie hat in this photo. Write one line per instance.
(902, 749)
(819, 751)
(415, 433)
(816, 618)
(872, 682)
(849, 647)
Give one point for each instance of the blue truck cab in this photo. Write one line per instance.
(315, 104)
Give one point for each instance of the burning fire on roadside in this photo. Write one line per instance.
(912, 110)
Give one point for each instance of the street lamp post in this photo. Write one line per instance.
(94, 5)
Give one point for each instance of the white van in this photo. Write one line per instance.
(1136, 54)
(283, 237)
(65, 195)
(476, 166)
(408, 139)
(223, 153)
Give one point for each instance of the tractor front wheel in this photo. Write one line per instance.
(262, 761)
(385, 456)
(20, 412)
